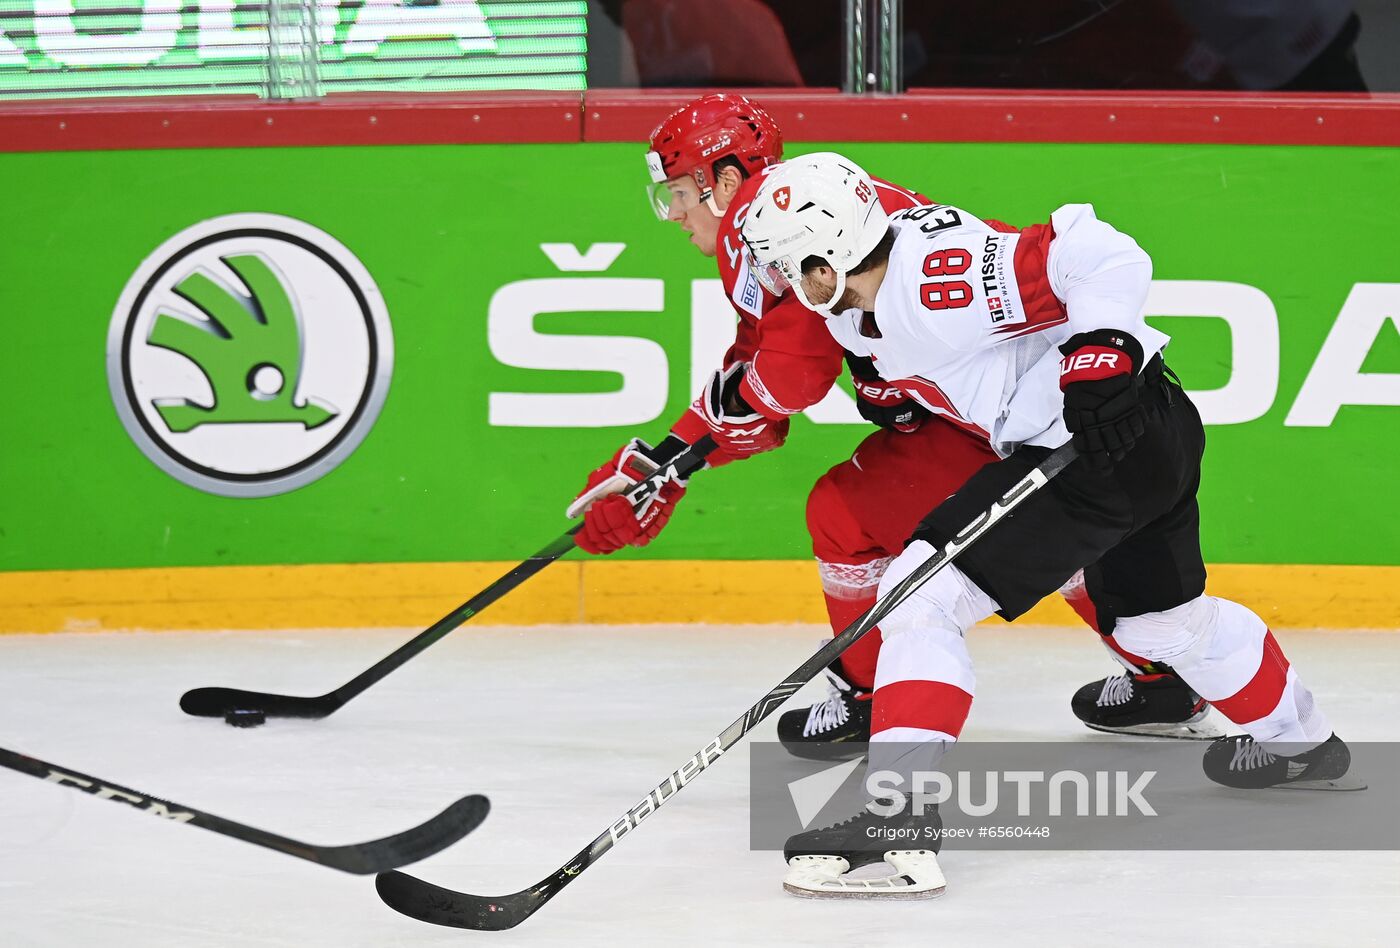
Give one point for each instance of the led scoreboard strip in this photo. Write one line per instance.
(70, 48)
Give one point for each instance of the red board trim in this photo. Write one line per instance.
(999, 116)
(252, 123)
(629, 116)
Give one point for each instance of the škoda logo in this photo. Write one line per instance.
(249, 355)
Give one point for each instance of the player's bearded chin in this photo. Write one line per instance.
(818, 287)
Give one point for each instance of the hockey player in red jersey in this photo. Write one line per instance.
(1032, 339)
(707, 161)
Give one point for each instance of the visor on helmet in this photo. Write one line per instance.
(776, 277)
(785, 274)
(667, 202)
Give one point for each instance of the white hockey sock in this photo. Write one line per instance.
(1228, 655)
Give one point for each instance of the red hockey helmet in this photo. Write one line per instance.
(691, 139)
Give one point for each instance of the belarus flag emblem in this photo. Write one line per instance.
(781, 197)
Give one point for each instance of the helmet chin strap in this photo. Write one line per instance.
(825, 308)
(709, 198)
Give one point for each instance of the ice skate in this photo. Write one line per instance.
(1160, 705)
(1241, 763)
(849, 859)
(836, 728)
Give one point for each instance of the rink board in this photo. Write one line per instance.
(486, 253)
(584, 591)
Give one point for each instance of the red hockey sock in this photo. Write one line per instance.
(858, 661)
(1079, 601)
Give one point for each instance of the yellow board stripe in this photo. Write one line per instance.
(602, 591)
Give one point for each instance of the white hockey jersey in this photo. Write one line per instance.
(968, 320)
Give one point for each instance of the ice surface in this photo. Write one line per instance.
(564, 728)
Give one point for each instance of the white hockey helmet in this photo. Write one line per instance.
(819, 205)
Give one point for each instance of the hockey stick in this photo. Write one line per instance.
(438, 906)
(360, 858)
(217, 702)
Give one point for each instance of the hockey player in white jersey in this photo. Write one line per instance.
(1032, 339)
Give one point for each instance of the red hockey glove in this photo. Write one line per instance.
(881, 403)
(738, 430)
(1103, 396)
(609, 522)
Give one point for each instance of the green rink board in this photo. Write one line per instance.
(442, 228)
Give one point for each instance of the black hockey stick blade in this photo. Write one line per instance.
(217, 702)
(438, 906)
(420, 842)
(375, 856)
(435, 905)
(672, 461)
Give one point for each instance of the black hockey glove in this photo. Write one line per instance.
(881, 403)
(1103, 394)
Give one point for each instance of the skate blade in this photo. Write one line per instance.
(1339, 783)
(916, 877)
(827, 751)
(1184, 731)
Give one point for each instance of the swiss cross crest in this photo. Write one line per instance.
(994, 302)
(781, 197)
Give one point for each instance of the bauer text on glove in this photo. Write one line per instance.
(881, 403)
(1103, 394)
